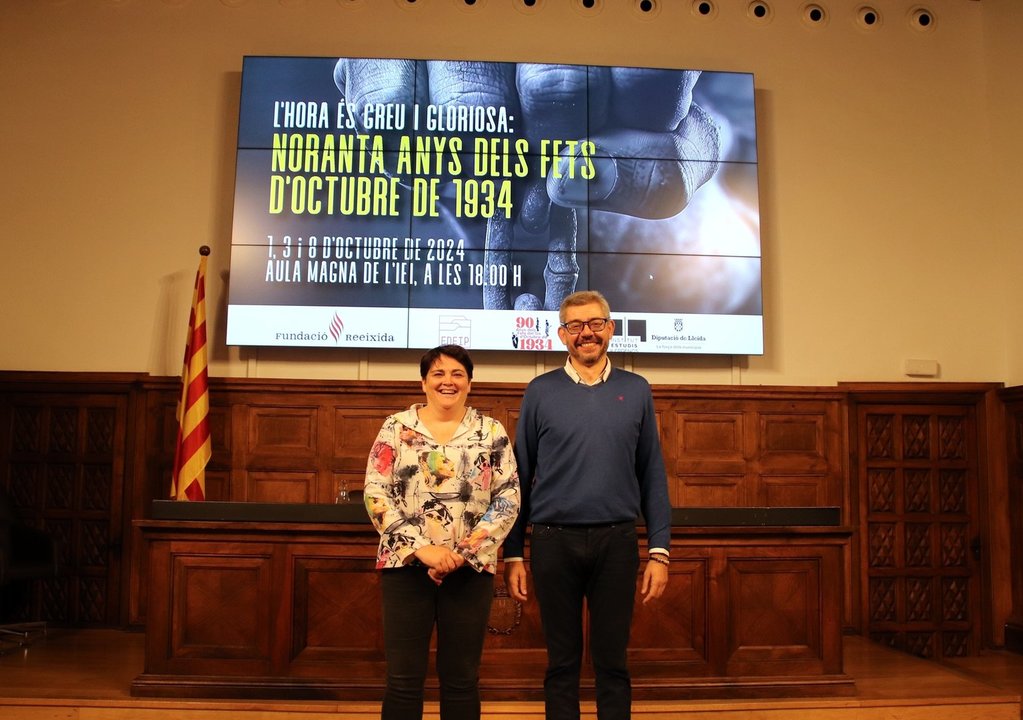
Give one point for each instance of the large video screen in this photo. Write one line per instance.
(387, 203)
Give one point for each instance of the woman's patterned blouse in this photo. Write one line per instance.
(463, 494)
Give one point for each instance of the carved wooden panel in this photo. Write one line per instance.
(729, 446)
(706, 491)
(792, 490)
(218, 484)
(732, 452)
(773, 614)
(681, 615)
(291, 610)
(712, 438)
(63, 464)
(792, 434)
(274, 431)
(354, 431)
(294, 486)
(212, 611)
(217, 612)
(336, 601)
(918, 477)
(748, 451)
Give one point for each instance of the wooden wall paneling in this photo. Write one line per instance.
(214, 609)
(769, 461)
(218, 472)
(774, 615)
(354, 430)
(784, 490)
(994, 528)
(312, 628)
(155, 430)
(757, 452)
(514, 647)
(795, 462)
(282, 456)
(64, 455)
(852, 614)
(708, 491)
(254, 608)
(1013, 423)
(280, 486)
(336, 611)
(760, 608)
(709, 459)
(152, 434)
(681, 615)
(510, 421)
(279, 432)
(218, 484)
(217, 610)
(784, 607)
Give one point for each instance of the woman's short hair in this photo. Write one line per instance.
(456, 352)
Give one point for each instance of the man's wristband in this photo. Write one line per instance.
(659, 559)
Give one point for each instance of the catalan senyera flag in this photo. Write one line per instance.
(193, 449)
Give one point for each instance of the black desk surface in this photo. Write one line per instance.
(355, 512)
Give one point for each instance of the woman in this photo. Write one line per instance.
(442, 490)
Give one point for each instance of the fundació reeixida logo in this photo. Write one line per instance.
(336, 327)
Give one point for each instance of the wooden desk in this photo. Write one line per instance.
(239, 605)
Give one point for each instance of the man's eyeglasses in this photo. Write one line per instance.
(575, 327)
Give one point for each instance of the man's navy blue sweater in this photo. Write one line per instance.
(589, 455)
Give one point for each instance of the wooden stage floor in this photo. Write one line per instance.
(86, 675)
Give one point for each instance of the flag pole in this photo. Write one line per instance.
(192, 450)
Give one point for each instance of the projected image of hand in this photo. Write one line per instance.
(430, 85)
(652, 146)
(626, 141)
(438, 84)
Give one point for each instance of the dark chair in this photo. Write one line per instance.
(26, 554)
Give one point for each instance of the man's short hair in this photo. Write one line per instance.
(584, 297)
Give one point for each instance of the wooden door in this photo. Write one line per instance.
(917, 480)
(63, 464)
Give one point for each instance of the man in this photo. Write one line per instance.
(589, 460)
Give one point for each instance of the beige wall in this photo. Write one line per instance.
(1003, 26)
(889, 173)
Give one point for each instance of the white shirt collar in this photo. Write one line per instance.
(574, 374)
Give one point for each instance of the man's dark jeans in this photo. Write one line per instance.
(598, 564)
